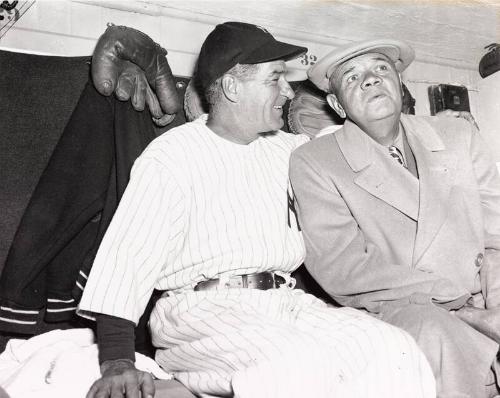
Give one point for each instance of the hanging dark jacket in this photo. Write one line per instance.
(69, 211)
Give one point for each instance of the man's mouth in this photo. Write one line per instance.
(279, 107)
(376, 97)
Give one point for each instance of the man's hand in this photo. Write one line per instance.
(486, 321)
(120, 378)
(132, 65)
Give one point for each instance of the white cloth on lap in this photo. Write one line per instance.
(60, 363)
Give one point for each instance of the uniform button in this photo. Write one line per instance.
(479, 259)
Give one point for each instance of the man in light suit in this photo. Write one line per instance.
(401, 216)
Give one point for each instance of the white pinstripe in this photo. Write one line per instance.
(198, 207)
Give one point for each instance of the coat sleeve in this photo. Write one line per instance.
(488, 181)
(348, 267)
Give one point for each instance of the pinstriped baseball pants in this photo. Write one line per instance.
(283, 343)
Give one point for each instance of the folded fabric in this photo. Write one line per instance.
(60, 363)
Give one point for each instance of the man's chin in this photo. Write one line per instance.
(383, 114)
(271, 125)
(276, 126)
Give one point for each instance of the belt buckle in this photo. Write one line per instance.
(278, 281)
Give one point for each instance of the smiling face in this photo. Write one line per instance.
(366, 89)
(262, 98)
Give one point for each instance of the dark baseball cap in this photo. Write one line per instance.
(232, 43)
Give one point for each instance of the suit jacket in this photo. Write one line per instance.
(375, 234)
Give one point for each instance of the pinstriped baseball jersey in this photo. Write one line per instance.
(197, 207)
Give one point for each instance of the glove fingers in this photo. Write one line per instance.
(125, 87)
(164, 86)
(164, 120)
(105, 66)
(153, 104)
(159, 118)
(139, 97)
(132, 85)
(104, 75)
(135, 46)
(115, 48)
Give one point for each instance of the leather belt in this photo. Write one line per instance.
(260, 280)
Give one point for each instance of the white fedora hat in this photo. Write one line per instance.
(398, 51)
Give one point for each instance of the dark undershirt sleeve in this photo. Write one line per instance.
(115, 338)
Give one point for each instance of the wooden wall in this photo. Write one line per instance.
(72, 28)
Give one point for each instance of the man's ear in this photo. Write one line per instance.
(335, 105)
(230, 87)
(400, 81)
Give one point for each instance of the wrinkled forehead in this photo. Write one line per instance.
(358, 61)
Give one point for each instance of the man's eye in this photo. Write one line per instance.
(382, 68)
(352, 78)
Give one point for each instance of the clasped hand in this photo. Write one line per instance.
(486, 321)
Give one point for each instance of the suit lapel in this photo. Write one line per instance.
(376, 172)
(436, 168)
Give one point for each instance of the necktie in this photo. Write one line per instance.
(396, 154)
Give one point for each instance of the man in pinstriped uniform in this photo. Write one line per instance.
(206, 219)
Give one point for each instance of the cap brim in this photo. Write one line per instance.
(273, 51)
(397, 51)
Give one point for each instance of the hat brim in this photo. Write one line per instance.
(273, 51)
(397, 51)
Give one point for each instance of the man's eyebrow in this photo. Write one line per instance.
(375, 58)
(345, 72)
(277, 71)
(380, 58)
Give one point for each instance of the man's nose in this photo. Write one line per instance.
(369, 80)
(286, 90)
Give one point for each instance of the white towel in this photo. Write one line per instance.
(60, 363)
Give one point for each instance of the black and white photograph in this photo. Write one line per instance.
(250, 199)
